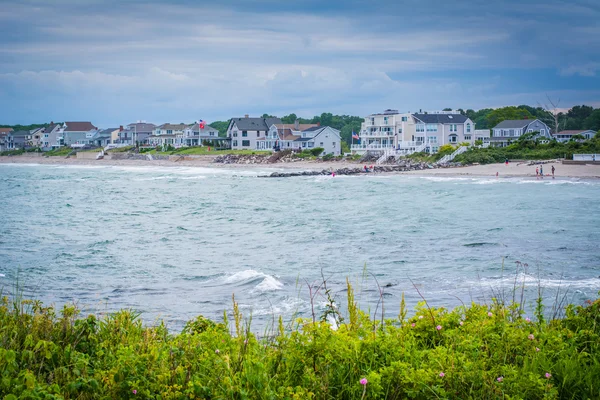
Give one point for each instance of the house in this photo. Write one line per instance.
(53, 137)
(3, 133)
(78, 133)
(135, 133)
(103, 137)
(245, 132)
(195, 135)
(17, 140)
(565, 136)
(509, 130)
(405, 133)
(283, 136)
(166, 134)
(325, 137)
(37, 137)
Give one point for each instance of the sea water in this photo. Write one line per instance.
(175, 242)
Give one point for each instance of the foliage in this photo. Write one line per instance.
(221, 126)
(446, 149)
(526, 147)
(16, 152)
(59, 151)
(24, 127)
(480, 351)
(328, 157)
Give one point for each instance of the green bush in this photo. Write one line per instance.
(316, 151)
(328, 157)
(476, 352)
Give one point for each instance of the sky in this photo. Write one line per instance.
(116, 62)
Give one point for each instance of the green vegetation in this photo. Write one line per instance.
(12, 152)
(202, 150)
(526, 148)
(478, 352)
(124, 149)
(59, 151)
(29, 127)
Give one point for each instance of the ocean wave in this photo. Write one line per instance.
(532, 280)
(250, 276)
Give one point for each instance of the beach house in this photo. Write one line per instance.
(52, 137)
(246, 132)
(196, 135)
(136, 132)
(3, 133)
(166, 134)
(565, 136)
(78, 133)
(282, 136)
(17, 140)
(508, 131)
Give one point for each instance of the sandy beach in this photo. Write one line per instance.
(513, 169)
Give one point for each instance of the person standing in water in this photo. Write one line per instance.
(553, 171)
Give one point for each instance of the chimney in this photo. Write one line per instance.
(318, 124)
(120, 128)
(296, 125)
(245, 115)
(51, 122)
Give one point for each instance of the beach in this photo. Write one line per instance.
(513, 169)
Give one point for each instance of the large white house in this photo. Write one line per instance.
(246, 132)
(405, 133)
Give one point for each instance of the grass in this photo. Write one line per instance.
(61, 151)
(480, 351)
(204, 151)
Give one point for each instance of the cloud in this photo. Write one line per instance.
(588, 69)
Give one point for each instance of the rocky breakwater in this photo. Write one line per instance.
(282, 156)
(359, 170)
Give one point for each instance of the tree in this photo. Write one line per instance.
(505, 113)
(552, 108)
(593, 121)
(221, 126)
(447, 109)
(289, 119)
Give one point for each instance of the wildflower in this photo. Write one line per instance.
(413, 324)
(461, 323)
(490, 314)
(442, 374)
(548, 375)
(500, 378)
(134, 391)
(420, 317)
(439, 327)
(531, 337)
(363, 381)
(537, 349)
(217, 351)
(527, 319)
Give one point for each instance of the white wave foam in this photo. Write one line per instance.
(532, 280)
(2, 275)
(268, 282)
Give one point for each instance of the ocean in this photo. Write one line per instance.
(177, 242)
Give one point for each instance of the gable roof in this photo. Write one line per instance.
(441, 118)
(79, 126)
(6, 130)
(514, 123)
(175, 127)
(50, 128)
(301, 127)
(141, 127)
(207, 128)
(254, 124)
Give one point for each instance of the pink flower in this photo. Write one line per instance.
(439, 327)
(413, 324)
(537, 349)
(420, 317)
(217, 351)
(500, 378)
(531, 337)
(134, 391)
(442, 374)
(548, 375)
(527, 319)
(490, 314)
(461, 323)
(363, 381)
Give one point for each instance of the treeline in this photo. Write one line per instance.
(577, 118)
(29, 127)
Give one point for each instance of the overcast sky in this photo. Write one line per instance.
(114, 62)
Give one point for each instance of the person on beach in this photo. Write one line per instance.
(506, 161)
(542, 171)
(553, 171)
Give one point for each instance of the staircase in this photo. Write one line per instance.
(450, 157)
(387, 153)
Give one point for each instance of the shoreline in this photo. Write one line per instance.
(513, 170)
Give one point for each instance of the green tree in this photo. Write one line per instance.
(593, 120)
(289, 119)
(221, 126)
(507, 113)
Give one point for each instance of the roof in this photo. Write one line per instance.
(301, 127)
(314, 129)
(107, 131)
(513, 123)
(81, 126)
(571, 132)
(142, 126)
(50, 127)
(441, 118)
(304, 139)
(6, 130)
(175, 127)
(20, 133)
(255, 124)
(205, 129)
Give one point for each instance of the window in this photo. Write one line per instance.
(467, 137)
(468, 127)
(453, 138)
(420, 128)
(400, 130)
(404, 119)
(234, 134)
(385, 120)
(311, 144)
(46, 135)
(372, 121)
(244, 133)
(542, 131)
(432, 139)
(333, 143)
(511, 132)
(234, 143)
(303, 144)
(169, 132)
(321, 144)
(257, 133)
(431, 127)
(245, 143)
(212, 134)
(453, 128)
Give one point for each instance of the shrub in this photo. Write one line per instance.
(328, 157)
(317, 151)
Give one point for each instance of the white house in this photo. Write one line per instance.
(246, 132)
(510, 130)
(565, 136)
(194, 135)
(166, 134)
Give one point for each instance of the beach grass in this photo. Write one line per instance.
(476, 351)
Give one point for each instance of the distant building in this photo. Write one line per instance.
(510, 130)
(3, 133)
(246, 132)
(194, 135)
(103, 137)
(17, 140)
(136, 132)
(166, 134)
(565, 136)
(53, 137)
(78, 133)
